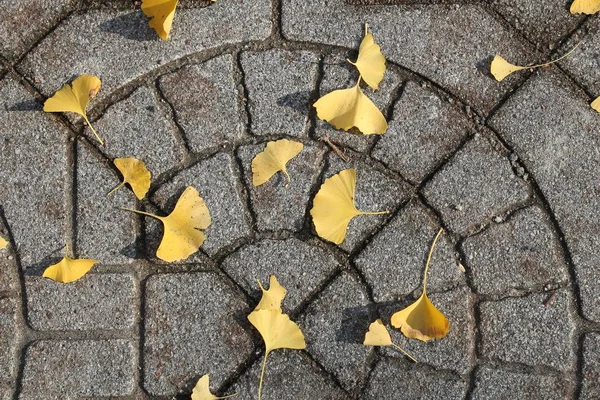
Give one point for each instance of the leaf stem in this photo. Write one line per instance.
(374, 212)
(429, 259)
(141, 212)
(228, 396)
(406, 353)
(287, 176)
(262, 374)
(93, 130)
(119, 186)
(555, 61)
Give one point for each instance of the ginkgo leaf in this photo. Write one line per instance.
(596, 104)
(202, 391)
(135, 173)
(161, 13)
(274, 159)
(370, 62)
(271, 299)
(421, 320)
(75, 98)
(3, 243)
(69, 269)
(333, 206)
(378, 335)
(348, 108)
(585, 6)
(182, 236)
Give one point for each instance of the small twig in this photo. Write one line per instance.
(336, 149)
(549, 299)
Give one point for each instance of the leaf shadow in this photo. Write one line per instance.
(354, 324)
(27, 105)
(132, 26)
(51, 258)
(483, 67)
(135, 250)
(296, 101)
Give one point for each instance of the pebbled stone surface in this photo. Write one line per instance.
(583, 63)
(280, 84)
(10, 338)
(194, 323)
(591, 367)
(204, 100)
(9, 278)
(476, 185)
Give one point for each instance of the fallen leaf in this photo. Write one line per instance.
(378, 335)
(370, 62)
(161, 13)
(596, 104)
(202, 391)
(75, 98)
(69, 269)
(182, 236)
(333, 206)
(135, 173)
(3, 243)
(421, 320)
(585, 6)
(348, 108)
(271, 299)
(274, 159)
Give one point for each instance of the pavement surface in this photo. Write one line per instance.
(511, 170)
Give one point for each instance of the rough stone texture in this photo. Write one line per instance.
(276, 206)
(591, 367)
(583, 63)
(194, 324)
(476, 185)
(514, 256)
(137, 127)
(554, 131)
(10, 337)
(299, 266)
(412, 37)
(524, 330)
(97, 301)
(334, 326)
(103, 231)
(289, 375)
(396, 378)
(424, 130)
(33, 150)
(394, 261)
(79, 368)
(118, 46)
(205, 102)
(9, 276)
(279, 84)
(496, 384)
(216, 180)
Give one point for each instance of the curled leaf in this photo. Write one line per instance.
(271, 299)
(585, 6)
(3, 243)
(378, 335)
(161, 13)
(274, 159)
(596, 104)
(69, 269)
(370, 62)
(135, 173)
(202, 390)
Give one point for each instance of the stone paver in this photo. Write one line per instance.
(9, 342)
(591, 367)
(583, 63)
(9, 278)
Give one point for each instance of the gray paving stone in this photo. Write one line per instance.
(6, 390)
(375, 191)
(424, 130)
(524, 330)
(97, 301)
(514, 256)
(394, 261)
(340, 74)
(204, 97)
(9, 276)
(591, 367)
(279, 84)
(137, 127)
(289, 375)
(33, 149)
(495, 384)
(476, 185)
(299, 266)
(400, 381)
(412, 37)
(103, 231)
(72, 369)
(276, 206)
(551, 127)
(10, 338)
(582, 64)
(334, 326)
(18, 33)
(118, 46)
(193, 325)
(216, 180)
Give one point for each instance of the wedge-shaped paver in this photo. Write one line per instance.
(527, 331)
(279, 84)
(518, 255)
(66, 369)
(129, 48)
(10, 338)
(476, 185)
(275, 205)
(33, 175)
(205, 101)
(424, 130)
(96, 301)
(551, 127)
(192, 327)
(582, 64)
(591, 367)
(394, 261)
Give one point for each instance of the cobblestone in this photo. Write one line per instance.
(10, 338)
(582, 64)
(591, 367)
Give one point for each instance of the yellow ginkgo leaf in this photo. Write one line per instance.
(271, 299)
(421, 320)
(3, 243)
(161, 13)
(202, 391)
(69, 269)
(596, 104)
(585, 6)
(182, 236)
(348, 108)
(75, 98)
(370, 62)
(333, 206)
(274, 159)
(378, 335)
(135, 173)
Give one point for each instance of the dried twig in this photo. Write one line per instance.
(336, 149)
